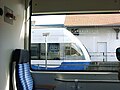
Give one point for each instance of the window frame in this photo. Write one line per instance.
(31, 14)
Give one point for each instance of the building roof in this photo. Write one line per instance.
(92, 20)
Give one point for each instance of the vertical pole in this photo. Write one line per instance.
(46, 34)
(46, 52)
(103, 57)
(76, 84)
(117, 30)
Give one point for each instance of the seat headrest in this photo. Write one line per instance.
(21, 55)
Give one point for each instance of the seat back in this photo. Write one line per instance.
(28, 76)
(24, 79)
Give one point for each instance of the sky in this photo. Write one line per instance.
(48, 19)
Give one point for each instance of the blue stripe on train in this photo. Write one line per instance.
(66, 66)
(74, 65)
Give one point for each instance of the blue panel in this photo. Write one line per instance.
(66, 66)
(74, 65)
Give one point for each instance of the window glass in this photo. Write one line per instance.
(78, 42)
(72, 52)
(34, 51)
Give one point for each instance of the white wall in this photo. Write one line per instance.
(11, 37)
(91, 36)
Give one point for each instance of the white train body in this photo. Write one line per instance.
(60, 43)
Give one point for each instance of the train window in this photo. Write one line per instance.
(72, 52)
(56, 51)
(92, 46)
(35, 51)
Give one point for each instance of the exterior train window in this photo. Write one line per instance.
(76, 42)
(34, 51)
(73, 53)
(56, 51)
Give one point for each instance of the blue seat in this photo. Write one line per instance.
(24, 80)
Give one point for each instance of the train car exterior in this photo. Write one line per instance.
(57, 49)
